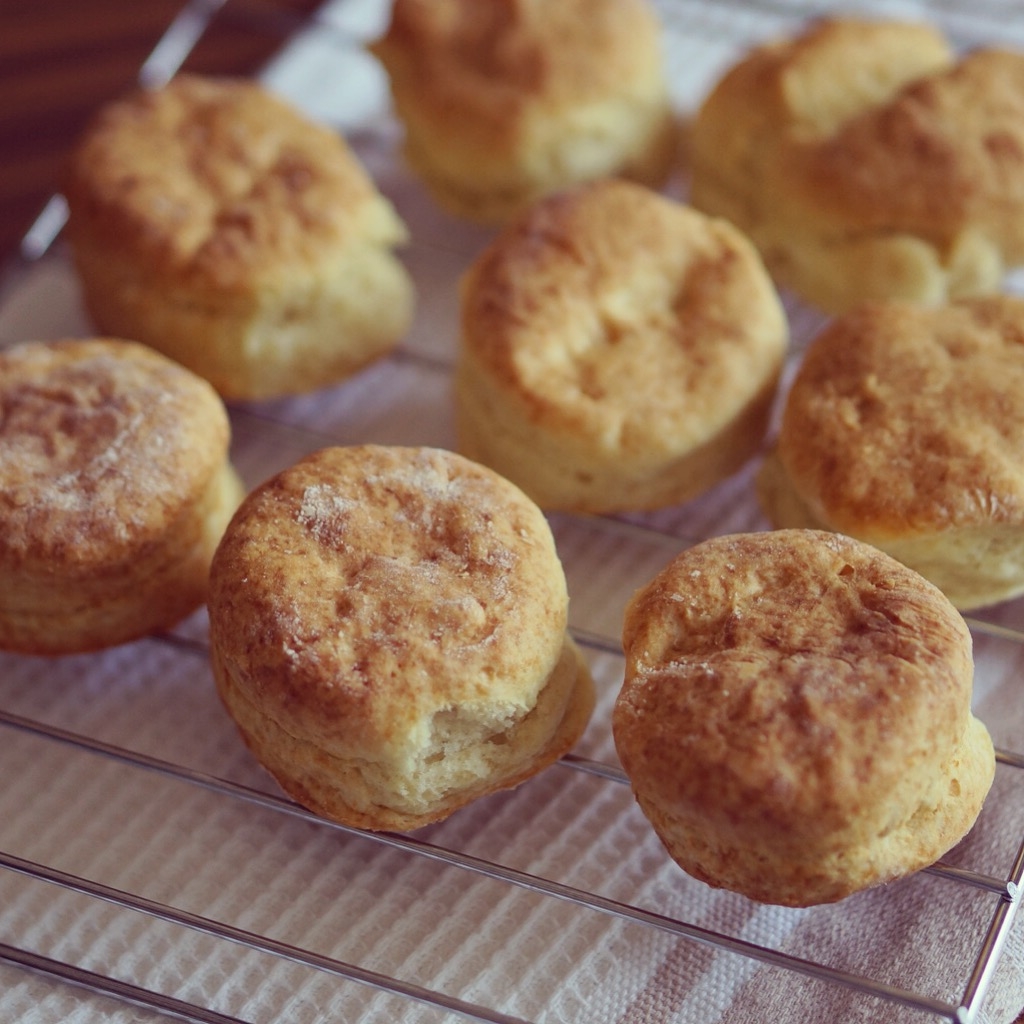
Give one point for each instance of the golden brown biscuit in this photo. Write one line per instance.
(866, 160)
(503, 101)
(388, 630)
(904, 427)
(114, 490)
(618, 351)
(212, 221)
(795, 718)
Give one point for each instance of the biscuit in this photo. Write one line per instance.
(504, 101)
(867, 160)
(388, 631)
(795, 716)
(619, 351)
(904, 427)
(115, 487)
(214, 222)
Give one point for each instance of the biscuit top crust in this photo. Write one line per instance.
(903, 418)
(946, 154)
(103, 443)
(811, 84)
(496, 63)
(801, 90)
(366, 591)
(797, 683)
(611, 312)
(872, 127)
(219, 180)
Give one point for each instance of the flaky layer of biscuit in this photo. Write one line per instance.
(503, 101)
(618, 350)
(469, 750)
(904, 427)
(795, 717)
(116, 489)
(866, 160)
(428, 662)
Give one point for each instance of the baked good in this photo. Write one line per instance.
(795, 718)
(904, 427)
(619, 351)
(213, 221)
(503, 101)
(115, 486)
(867, 160)
(388, 631)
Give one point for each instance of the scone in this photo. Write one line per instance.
(388, 631)
(904, 427)
(504, 101)
(795, 718)
(867, 160)
(214, 222)
(115, 487)
(619, 351)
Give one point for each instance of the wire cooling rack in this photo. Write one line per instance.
(150, 869)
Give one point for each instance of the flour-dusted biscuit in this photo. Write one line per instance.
(904, 427)
(619, 351)
(388, 630)
(213, 221)
(503, 101)
(867, 160)
(115, 487)
(795, 718)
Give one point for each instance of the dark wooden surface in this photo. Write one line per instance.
(61, 59)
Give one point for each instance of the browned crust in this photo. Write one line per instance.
(212, 220)
(944, 156)
(114, 489)
(867, 160)
(105, 442)
(617, 327)
(795, 716)
(366, 600)
(903, 420)
(495, 62)
(217, 184)
(503, 101)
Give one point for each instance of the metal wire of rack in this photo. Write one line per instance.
(168, 782)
